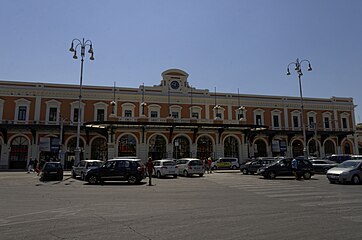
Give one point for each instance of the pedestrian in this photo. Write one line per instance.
(209, 164)
(150, 168)
(30, 165)
(295, 169)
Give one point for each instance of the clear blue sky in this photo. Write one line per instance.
(227, 44)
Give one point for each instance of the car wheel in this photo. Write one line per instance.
(355, 179)
(245, 171)
(60, 178)
(271, 175)
(132, 179)
(175, 176)
(332, 182)
(82, 176)
(93, 179)
(201, 174)
(186, 174)
(234, 167)
(307, 175)
(159, 174)
(73, 174)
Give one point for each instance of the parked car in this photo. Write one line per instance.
(190, 166)
(322, 165)
(283, 167)
(82, 167)
(356, 157)
(226, 163)
(165, 167)
(131, 170)
(51, 171)
(339, 158)
(253, 166)
(348, 171)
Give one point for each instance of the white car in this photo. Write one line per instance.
(165, 167)
(190, 166)
(83, 166)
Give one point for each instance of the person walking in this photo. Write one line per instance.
(30, 165)
(150, 168)
(295, 169)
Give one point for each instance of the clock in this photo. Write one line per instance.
(175, 84)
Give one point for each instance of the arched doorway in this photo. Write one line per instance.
(260, 148)
(157, 147)
(297, 148)
(18, 153)
(70, 155)
(181, 147)
(127, 146)
(347, 148)
(99, 149)
(231, 147)
(313, 148)
(329, 148)
(204, 147)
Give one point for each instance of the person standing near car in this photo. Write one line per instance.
(150, 168)
(209, 164)
(295, 169)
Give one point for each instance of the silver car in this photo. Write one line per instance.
(348, 171)
(83, 166)
(165, 167)
(190, 166)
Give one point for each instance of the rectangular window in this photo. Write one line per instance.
(326, 122)
(128, 113)
(258, 119)
(311, 122)
(154, 114)
(219, 115)
(174, 114)
(344, 123)
(53, 114)
(295, 121)
(276, 121)
(75, 115)
(240, 115)
(100, 115)
(195, 115)
(22, 113)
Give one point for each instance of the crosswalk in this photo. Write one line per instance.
(346, 200)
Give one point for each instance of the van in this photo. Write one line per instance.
(226, 163)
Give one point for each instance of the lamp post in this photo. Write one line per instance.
(298, 69)
(76, 43)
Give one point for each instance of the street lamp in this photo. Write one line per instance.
(298, 69)
(76, 43)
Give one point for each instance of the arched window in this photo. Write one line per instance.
(204, 147)
(231, 147)
(99, 149)
(181, 147)
(297, 148)
(329, 148)
(157, 147)
(127, 146)
(260, 149)
(313, 148)
(19, 153)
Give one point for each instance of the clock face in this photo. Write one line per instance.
(175, 84)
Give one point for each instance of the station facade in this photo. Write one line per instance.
(168, 120)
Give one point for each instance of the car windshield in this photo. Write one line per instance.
(169, 163)
(349, 164)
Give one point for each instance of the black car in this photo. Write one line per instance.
(51, 171)
(283, 167)
(122, 169)
(322, 165)
(253, 166)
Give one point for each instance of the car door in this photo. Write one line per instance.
(107, 171)
(285, 167)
